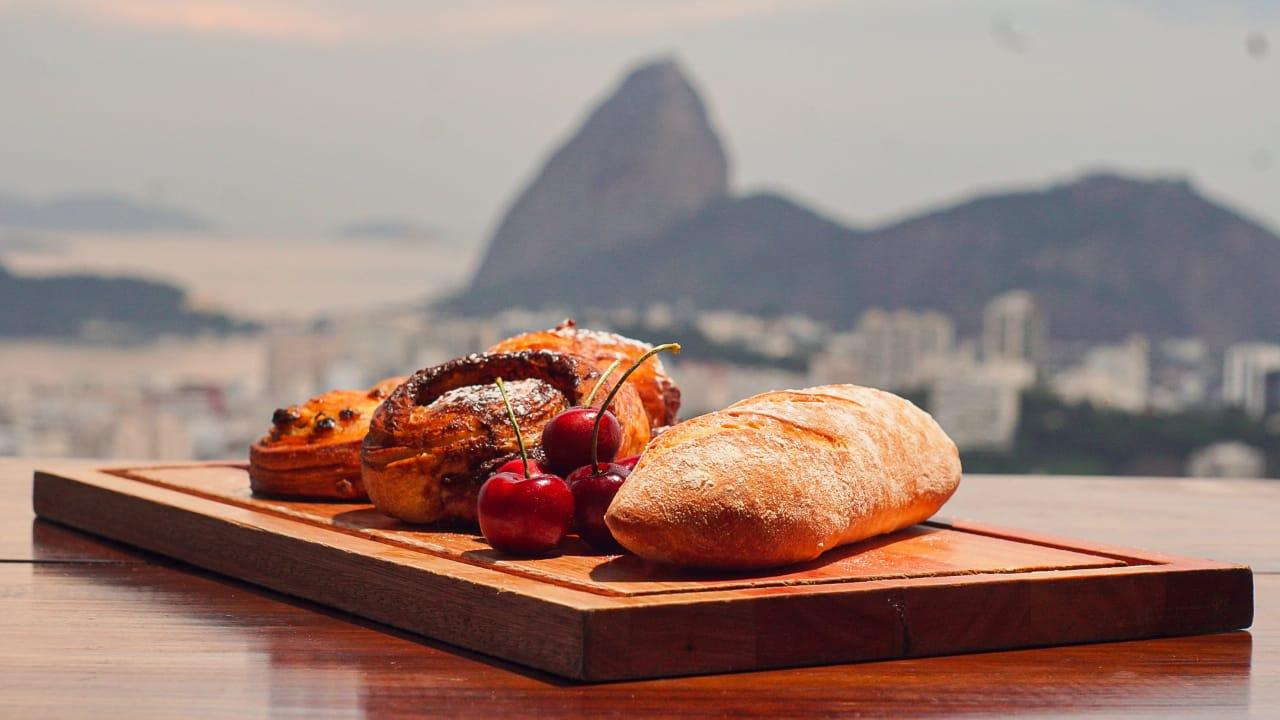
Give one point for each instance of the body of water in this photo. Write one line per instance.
(256, 277)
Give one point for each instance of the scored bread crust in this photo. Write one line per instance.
(440, 435)
(658, 392)
(784, 476)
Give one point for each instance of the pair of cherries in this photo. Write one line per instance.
(525, 510)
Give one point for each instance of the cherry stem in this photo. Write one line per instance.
(524, 457)
(595, 429)
(591, 395)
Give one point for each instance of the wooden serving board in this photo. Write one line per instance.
(937, 588)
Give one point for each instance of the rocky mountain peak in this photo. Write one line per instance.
(644, 158)
(1108, 185)
(635, 208)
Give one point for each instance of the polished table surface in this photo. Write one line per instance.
(92, 629)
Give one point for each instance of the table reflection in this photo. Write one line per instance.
(289, 654)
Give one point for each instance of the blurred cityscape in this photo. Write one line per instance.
(1074, 277)
(1012, 398)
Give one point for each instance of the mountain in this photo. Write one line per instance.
(95, 213)
(644, 158)
(125, 308)
(756, 254)
(1106, 255)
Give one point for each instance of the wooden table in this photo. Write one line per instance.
(91, 629)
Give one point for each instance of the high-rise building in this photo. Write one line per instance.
(1117, 376)
(891, 350)
(1013, 328)
(1182, 372)
(1244, 375)
(979, 409)
(840, 360)
(1271, 393)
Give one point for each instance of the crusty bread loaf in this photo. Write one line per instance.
(784, 476)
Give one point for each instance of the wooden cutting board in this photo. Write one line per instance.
(937, 588)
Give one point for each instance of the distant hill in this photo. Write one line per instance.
(1106, 255)
(70, 306)
(761, 254)
(647, 156)
(95, 213)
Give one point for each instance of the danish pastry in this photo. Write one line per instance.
(313, 449)
(443, 432)
(658, 393)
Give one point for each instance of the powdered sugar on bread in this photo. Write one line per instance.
(783, 476)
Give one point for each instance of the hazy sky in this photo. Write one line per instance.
(291, 117)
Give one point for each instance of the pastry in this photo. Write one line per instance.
(313, 449)
(657, 391)
(784, 476)
(443, 432)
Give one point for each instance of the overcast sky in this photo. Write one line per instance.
(291, 117)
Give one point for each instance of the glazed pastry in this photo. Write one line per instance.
(784, 476)
(313, 449)
(657, 391)
(444, 431)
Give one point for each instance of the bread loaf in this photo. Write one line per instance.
(784, 476)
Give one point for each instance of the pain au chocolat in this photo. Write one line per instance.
(313, 449)
(657, 391)
(439, 435)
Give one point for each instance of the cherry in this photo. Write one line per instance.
(566, 439)
(595, 485)
(516, 465)
(524, 515)
(582, 435)
(593, 490)
(627, 462)
(519, 512)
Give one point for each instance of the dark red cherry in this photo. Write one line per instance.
(566, 440)
(628, 462)
(592, 493)
(524, 516)
(517, 466)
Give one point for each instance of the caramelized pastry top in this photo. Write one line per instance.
(457, 400)
(335, 417)
(658, 393)
(442, 433)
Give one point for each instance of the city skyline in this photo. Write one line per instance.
(992, 392)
